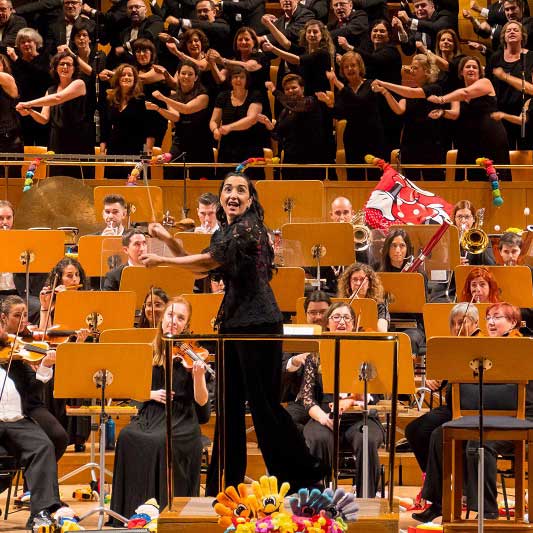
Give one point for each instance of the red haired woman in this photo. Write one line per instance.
(481, 284)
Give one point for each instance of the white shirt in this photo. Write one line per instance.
(10, 403)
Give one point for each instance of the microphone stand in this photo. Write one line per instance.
(523, 114)
(96, 72)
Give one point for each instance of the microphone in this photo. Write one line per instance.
(97, 125)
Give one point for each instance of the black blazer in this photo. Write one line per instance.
(354, 29)
(57, 34)
(13, 25)
(112, 278)
(297, 21)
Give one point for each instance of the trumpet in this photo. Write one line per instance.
(475, 240)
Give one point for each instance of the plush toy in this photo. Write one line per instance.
(230, 505)
(266, 491)
(134, 174)
(67, 520)
(30, 173)
(497, 199)
(145, 516)
(254, 161)
(310, 503)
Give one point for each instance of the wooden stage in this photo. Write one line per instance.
(196, 515)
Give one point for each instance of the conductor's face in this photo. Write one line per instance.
(175, 319)
(235, 197)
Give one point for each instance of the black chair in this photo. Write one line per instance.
(9, 468)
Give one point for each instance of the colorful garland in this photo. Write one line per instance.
(154, 160)
(254, 161)
(30, 173)
(497, 199)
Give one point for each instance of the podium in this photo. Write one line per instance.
(291, 201)
(143, 203)
(481, 360)
(103, 371)
(514, 282)
(172, 279)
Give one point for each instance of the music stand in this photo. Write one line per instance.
(365, 367)
(318, 244)
(30, 251)
(98, 253)
(408, 290)
(102, 371)
(301, 345)
(194, 243)
(99, 310)
(203, 322)
(143, 203)
(291, 201)
(288, 284)
(172, 279)
(465, 360)
(514, 282)
(128, 335)
(437, 319)
(365, 309)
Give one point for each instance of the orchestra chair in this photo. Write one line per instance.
(341, 152)
(269, 171)
(451, 159)
(9, 468)
(521, 157)
(273, 78)
(40, 172)
(453, 358)
(98, 169)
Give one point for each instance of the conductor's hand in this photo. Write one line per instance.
(158, 231)
(159, 395)
(151, 260)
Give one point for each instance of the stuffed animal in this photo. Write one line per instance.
(145, 516)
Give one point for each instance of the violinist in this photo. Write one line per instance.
(139, 471)
(14, 319)
(23, 437)
(318, 431)
(154, 304)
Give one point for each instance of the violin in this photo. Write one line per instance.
(31, 352)
(191, 352)
(54, 335)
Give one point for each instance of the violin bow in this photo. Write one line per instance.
(49, 310)
(153, 312)
(10, 360)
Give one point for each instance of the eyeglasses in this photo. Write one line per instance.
(65, 64)
(464, 217)
(135, 8)
(317, 313)
(338, 318)
(494, 318)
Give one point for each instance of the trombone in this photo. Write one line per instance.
(475, 240)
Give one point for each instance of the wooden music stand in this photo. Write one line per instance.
(291, 201)
(514, 282)
(364, 307)
(301, 345)
(481, 360)
(408, 290)
(114, 310)
(288, 284)
(172, 279)
(318, 244)
(143, 202)
(446, 254)
(103, 371)
(194, 243)
(205, 310)
(128, 335)
(437, 319)
(100, 253)
(360, 358)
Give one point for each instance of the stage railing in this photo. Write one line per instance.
(337, 338)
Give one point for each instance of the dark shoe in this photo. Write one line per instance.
(41, 519)
(432, 512)
(79, 448)
(490, 516)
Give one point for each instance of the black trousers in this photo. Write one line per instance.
(418, 432)
(253, 374)
(298, 414)
(53, 429)
(432, 489)
(319, 438)
(27, 441)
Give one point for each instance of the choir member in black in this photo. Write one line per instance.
(477, 134)
(421, 137)
(298, 128)
(10, 130)
(350, 25)
(242, 251)
(233, 122)
(14, 319)
(126, 128)
(383, 62)
(188, 108)
(514, 60)
(140, 467)
(362, 280)
(447, 58)
(247, 54)
(397, 250)
(145, 57)
(153, 307)
(464, 321)
(318, 431)
(64, 108)
(31, 70)
(356, 103)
